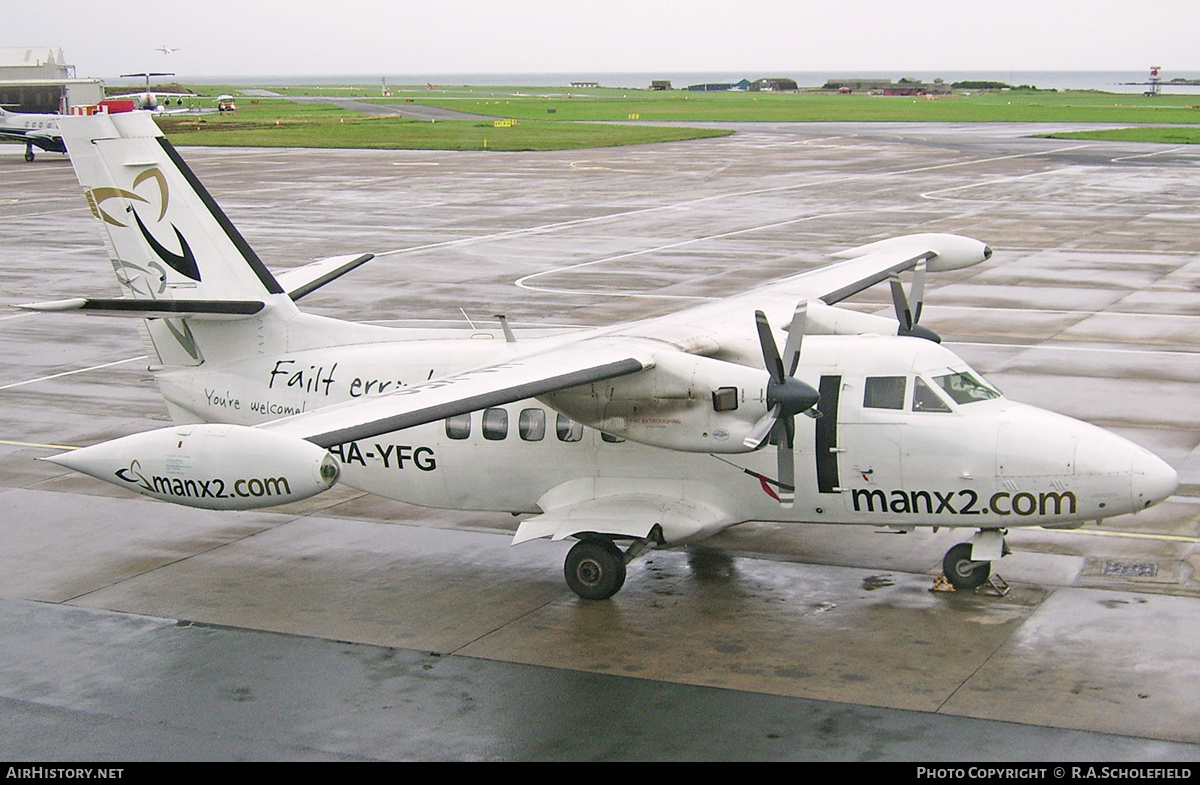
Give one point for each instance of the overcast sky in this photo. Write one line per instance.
(105, 38)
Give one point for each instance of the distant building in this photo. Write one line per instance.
(778, 85)
(585, 84)
(38, 79)
(716, 87)
(660, 84)
(888, 87)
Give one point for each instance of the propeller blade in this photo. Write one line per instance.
(917, 292)
(769, 349)
(762, 429)
(786, 458)
(789, 431)
(904, 314)
(787, 396)
(791, 350)
(908, 307)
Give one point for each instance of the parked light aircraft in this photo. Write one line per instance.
(649, 434)
(155, 100)
(35, 130)
(159, 102)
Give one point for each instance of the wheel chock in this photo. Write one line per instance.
(995, 586)
(941, 584)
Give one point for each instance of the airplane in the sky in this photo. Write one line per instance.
(647, 434)
(167, 49)
(35, 130)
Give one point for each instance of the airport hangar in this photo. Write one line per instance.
(39, 79)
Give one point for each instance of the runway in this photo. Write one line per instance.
(350, 627)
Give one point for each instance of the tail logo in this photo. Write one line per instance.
(183, 262)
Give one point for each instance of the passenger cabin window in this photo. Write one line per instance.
(532, 425)
(925, 399)
(495, 424)
(568, 430)
(884, 392)
(966, 388)
(458, 426)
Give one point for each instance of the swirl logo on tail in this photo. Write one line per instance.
(183, 262)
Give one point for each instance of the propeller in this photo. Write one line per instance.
(787, 396)
(908, 307)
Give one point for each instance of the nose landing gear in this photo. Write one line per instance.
(968, 565)
(961, 571)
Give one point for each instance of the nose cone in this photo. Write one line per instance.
(1153, 479)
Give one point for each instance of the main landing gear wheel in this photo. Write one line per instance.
(29, 154)
(961, 571)
(595, 569)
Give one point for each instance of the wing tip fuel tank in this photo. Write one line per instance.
(949, 251)
(211, 466)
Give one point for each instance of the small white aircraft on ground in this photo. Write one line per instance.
(156, 100)
(35, 130)
(652, 433)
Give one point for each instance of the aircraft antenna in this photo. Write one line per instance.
(508, 333)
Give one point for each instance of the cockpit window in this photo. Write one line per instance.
(964, 387)
(884, 392)
(925, 399)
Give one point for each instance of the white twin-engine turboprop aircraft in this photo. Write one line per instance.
(653, 433)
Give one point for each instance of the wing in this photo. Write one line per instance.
(860, 268)
(622, 352)
(46, 139)
(579, 363)
(873, 263)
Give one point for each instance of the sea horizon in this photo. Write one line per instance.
(1109, 81)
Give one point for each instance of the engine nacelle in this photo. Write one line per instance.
(213, 466)
(685, 402)
(831, 320)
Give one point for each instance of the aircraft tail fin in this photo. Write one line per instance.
(167, 237)
(164, 228)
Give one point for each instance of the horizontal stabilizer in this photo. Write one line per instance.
(299, 281)
(153, 309)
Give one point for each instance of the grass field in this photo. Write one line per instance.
(562, 118)
(969, 106)
(1160, 135)
(282, 123)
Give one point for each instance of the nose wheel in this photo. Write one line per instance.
(968, 565)
(961, 571)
